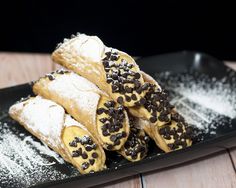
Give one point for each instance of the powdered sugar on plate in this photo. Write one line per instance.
(205, 102)
(25, 161)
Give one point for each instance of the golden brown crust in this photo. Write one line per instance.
(50, 127)
(136, 147)
(113, 71)
(160, 119)
(82, 99)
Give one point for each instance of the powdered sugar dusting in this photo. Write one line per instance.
(86, 47)
(74, 87)
(204, 101)
(37, 112)
(25, 162)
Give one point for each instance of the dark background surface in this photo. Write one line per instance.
(140, 28)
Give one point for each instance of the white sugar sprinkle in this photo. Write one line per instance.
(25, 162)
(202, 100)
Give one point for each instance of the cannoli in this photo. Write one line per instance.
(103, 117)
(48, 122)
(113, 71)
(136, 147)
(160, 119)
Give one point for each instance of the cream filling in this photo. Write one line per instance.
(68, 136)
(106, 139)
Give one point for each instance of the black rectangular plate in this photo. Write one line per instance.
(19, 167)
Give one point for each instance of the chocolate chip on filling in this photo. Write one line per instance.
(136, 145)
(176, 133)
(51, 76)
(122, 77)
(86, 146)
(85, 165)
(156, 103)
(112, 119)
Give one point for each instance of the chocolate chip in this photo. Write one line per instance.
(77, 139)
(112, 129)
(137, 84)
(89, 141)
(91, 161)
(50, 77)
(153, 119)
(124, 134)
(107, 70)
(125, 74)
(131, 72)
(142, 101)
(109, 80)
(129, 65)
(170, 146)
(133, 97)
(137, 103)
(180, 130)
(145, 86)
(85, 140)
(161, 118)
(100, 111)
(111, 64)
(162, 131)
(146, 139)
(119, 135)
(117, 142)
(167, 136)
(108, 54)
(127, 144)
(137, 149)
(184, 144)
(84, 155)
(120, 100)
(134, 155)
(105, 63)
(117, 128)
(94, 155)
(114, 76)
(139, 90)
(189, 130)
(79, 151)
(137, 76)
(127, 98)
(109, 147)
(73, 144)
(121, 89)
(112, 103)
(120, 109)
(154, 113)
(105, 133)
(114, 88)
(75, 154)
(103, 120)
(88, 148)
(85, 165)
(107, 104)
(105, 127)
(120, 125)
(94, 146)
(174, 117)
(128, 89)
(114, 57)
(113, 138)
(112, 112)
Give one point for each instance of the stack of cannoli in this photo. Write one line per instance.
(102, 101)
